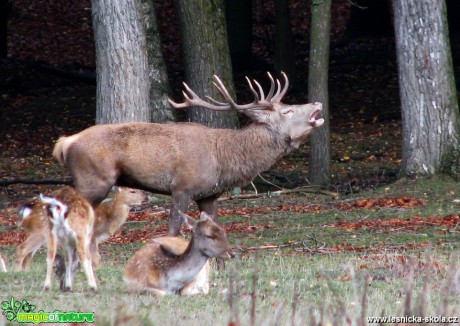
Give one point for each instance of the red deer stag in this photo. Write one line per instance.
(189, 161)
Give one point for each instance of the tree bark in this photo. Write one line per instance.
(320, 166)
(206, 53)
(159, 84)
(122, 92)
(430, 117)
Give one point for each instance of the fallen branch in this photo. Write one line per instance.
(302, 244)
(278, 193)
(5, 183)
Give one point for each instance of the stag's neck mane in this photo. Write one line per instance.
(244, 153)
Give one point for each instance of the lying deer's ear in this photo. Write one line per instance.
(189, 221)
(205, 217)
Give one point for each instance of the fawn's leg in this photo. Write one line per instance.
(51, 254)
(84, 254)
(27, 249)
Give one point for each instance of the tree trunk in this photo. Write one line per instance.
(159, 84)
(206, 53)
(122, 92)
(284, 44)
(320, 166)
(430, 117)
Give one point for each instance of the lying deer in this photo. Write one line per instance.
(168, 159)
(170, 265)
(109, 215)
(67, 220)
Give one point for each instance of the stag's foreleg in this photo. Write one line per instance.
(180, 202)
(209, 206)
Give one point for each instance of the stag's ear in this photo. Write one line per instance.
(188, 220)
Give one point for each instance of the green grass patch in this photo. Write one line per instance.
(331, 265)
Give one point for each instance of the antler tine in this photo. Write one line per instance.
(278, 89)
(262, 94)
(279, 97)
(192, 99)
(223, 91)
(272, 87)
(256, 96)
(215, 101)
(251, 106)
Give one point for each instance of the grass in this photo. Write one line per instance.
(311, 272)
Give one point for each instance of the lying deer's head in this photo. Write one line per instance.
(209, 237)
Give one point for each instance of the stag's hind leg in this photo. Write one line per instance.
(209, 206)
(181, 201)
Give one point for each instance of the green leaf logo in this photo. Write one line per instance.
(12, 308)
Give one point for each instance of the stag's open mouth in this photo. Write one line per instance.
(313, 121)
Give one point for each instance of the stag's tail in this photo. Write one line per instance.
(61, 148)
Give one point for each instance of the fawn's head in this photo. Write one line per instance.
(209, 237)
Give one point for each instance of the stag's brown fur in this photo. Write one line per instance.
(186, 160)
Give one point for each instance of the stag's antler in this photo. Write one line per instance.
(260, 101)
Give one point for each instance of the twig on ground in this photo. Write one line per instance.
(307, 189)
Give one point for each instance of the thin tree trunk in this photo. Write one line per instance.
(430, 117)
(320, 166)
(121, 62)
(159, 84)
(206, 53)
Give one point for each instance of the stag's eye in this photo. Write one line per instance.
(212, 237)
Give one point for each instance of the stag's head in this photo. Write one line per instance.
(294, 121)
